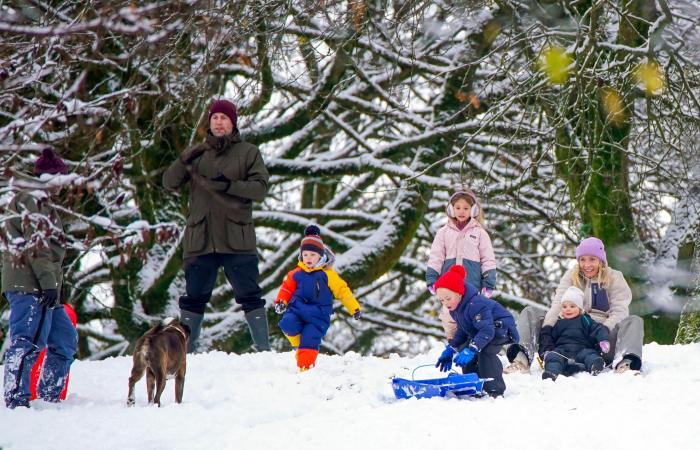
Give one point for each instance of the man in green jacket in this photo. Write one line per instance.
(225, 175)
(31, 282)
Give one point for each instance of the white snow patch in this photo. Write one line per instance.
(260, 401)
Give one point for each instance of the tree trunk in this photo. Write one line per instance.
(689, 326)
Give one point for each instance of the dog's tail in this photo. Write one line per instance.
(147, 340)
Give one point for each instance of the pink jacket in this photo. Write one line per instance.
(471, 248)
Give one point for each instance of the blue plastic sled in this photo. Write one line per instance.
(453, 384)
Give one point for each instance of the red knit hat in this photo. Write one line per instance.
(312, 240)
(453, 280)
(225, 107)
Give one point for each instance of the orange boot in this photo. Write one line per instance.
(306, 358)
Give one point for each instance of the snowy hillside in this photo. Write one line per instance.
(260, 401)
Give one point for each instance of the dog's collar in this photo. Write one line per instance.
(178, 330)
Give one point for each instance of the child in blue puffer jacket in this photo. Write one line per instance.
(306, 298)
(483, 327)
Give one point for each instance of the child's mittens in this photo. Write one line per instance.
(465, 356)
(431, 289)
(280, 307)
(357, 315)
(604, 346)
(444, 362)
(487, 292)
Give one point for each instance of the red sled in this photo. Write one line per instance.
(39, 364)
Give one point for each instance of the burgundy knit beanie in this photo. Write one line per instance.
(453, 280)
(49, 162)
(312, 240)
(226, 107)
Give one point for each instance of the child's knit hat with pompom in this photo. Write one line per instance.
(312, 240)
(453, 280)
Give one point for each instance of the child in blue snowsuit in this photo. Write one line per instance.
(31, 283)
(483, 327)
(306, 298)
(575, 342)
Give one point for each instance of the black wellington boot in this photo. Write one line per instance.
(257, 323)
(194, 321)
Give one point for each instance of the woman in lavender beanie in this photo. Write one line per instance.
(607, 297)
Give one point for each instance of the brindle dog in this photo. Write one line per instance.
(162, 354)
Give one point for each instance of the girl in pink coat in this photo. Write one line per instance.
(462, 241)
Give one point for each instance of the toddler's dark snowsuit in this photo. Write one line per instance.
(573, 345)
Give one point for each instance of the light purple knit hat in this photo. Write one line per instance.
(591, 246)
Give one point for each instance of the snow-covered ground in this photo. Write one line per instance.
(260, 401)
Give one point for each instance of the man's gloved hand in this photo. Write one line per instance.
(604, 346)
(49, 298)
(280, 307)
(223, 183)
(191, 154)
(357, 315)
(444, 362)
(220, 183)
(465, 356)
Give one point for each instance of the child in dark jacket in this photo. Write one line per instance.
(575, 342)
(483, 327)
(306, 298)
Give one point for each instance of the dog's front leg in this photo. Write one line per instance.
(179, 384)
(150, 384)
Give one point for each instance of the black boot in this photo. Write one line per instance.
(629, 362)
(257, 323)
(597, 366)
(194, 321)
(546, 375)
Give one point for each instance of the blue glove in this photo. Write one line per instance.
(465, 356)
(444, 362)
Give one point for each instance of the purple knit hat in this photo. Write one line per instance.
(592, 246)
(49, 162)
(225, 107)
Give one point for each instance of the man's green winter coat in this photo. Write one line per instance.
(220, 221)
